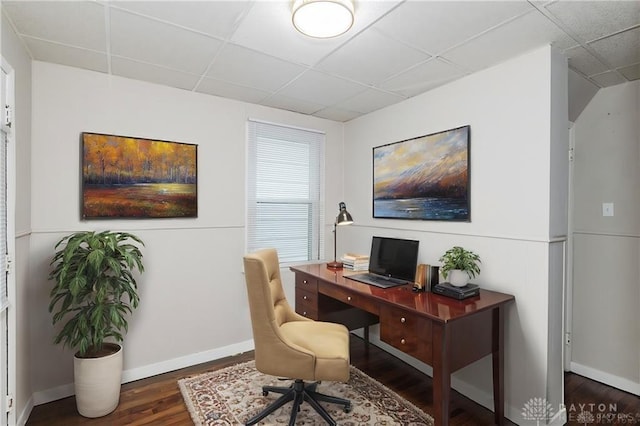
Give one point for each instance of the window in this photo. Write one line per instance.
(285, 191)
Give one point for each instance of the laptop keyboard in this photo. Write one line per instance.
(377, 280)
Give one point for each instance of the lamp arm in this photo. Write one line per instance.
(335, 243)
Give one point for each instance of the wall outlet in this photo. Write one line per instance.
(607, 209)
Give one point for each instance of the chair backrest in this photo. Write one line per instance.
(269, 310)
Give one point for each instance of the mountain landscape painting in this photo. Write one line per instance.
(125, 177)
(424, 178)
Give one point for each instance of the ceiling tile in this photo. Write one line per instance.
(215, 87)
(632, 72)
(65, 55)
(267, 28)
(422, 78)
(580, 59)
(621, 49)
(320, 88)
(368, 101)
(216, 18)
(371, 57)
(150, 41)
(609, 78)
(292, 104)
(509, 40)
(336, 114)
(246, 67)
(436, 26)
(76, 23)
(154, 74)
(590, 20)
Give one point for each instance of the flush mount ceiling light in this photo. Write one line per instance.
(322, 18)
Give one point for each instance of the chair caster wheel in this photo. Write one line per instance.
(347, 408)
(265, 393)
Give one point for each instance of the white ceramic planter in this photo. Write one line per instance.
(458, 278)
(97, 383)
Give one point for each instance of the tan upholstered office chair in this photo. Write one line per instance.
(290, 345)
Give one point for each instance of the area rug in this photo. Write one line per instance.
(233, 395)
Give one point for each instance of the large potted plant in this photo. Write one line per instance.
(460, 265)
(95, 290)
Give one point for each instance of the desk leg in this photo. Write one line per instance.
(366, 334)
(498, 364)
(441, 373)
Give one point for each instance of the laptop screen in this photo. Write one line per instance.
(394, 257)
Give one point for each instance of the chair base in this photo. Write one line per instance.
(299, 392)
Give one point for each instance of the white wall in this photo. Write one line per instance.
(193, 300)
(518, 125)
(606, 284)
(14, 52)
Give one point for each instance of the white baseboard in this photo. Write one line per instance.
(24, 415)
(52, 394)
(63, 391)
(606, 378)
(185, 361)
(560, 418)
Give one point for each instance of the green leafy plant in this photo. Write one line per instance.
(94, 288)
(459, 258)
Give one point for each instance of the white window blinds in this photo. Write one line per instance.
(285, 191)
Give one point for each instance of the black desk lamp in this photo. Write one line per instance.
(343, 218)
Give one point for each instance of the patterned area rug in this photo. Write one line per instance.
(234, 394)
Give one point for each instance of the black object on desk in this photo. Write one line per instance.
(460, 293)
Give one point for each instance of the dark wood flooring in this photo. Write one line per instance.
(157, 400)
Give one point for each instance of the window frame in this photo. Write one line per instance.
(315, 140)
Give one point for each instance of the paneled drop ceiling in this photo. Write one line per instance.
(249, 51)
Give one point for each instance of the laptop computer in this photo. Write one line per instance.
(392, 262)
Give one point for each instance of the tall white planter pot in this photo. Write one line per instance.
(97, 383)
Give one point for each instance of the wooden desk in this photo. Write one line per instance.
(442, 332)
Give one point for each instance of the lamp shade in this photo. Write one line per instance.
(343, 218)
(322, 18)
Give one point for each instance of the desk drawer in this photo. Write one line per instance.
(343, 295)
(407, 332)
(306, 282)
(307, 303)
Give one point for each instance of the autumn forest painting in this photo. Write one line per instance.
(423, 178)
(126, 177)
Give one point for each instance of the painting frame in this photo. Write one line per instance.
(424, 178)
(125, 177)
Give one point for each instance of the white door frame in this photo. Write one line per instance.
(568, 296)
(9, 342)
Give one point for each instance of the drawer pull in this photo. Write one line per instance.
(402, 341)
(403, 320)
(305, 282)
(349, 298)
(304, 297)
(304, 313)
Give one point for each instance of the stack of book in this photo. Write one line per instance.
(355, 262)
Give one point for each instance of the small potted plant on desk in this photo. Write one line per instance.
(459, 266)
(94, 291)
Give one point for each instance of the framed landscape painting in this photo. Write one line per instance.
(126, 177)
(425, 178)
